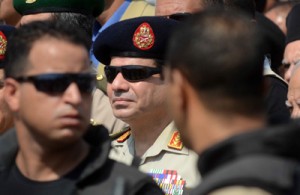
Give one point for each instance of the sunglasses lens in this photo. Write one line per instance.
(134, 73)
(85, 83)
(51, 83)
(58, 83)
(110, 73)
(180, 16)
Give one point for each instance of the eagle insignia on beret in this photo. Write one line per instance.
(3, 43)
(143, 37)
(30, 1)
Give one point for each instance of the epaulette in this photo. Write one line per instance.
(122, 135)
(93, 122)
(175, 141)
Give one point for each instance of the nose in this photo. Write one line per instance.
(295, 110)
(72, 95)
(119, 83)
(287, 74)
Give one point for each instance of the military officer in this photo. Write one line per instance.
(118, 10)
(133, 52)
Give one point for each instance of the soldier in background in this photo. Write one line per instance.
(292, 48)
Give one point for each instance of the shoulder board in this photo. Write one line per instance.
(119, 134)
(175, 141)
(124, 137)
(93, 122)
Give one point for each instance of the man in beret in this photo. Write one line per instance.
(114, 11)
(57, 151)
(133, 52)
(6, 118)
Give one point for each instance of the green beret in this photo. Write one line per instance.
(86, 7)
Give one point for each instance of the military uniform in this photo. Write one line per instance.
(171, 165)
(166, 158)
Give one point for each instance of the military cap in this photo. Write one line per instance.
(5, 31)
(142, 37)
(86, 7)
(292, 24)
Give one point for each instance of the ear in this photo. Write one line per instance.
(178, 88)
(12, 93)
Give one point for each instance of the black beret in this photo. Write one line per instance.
(86, 7)
(143, 37)
(274, 40)
(5, 32)
(292, 24)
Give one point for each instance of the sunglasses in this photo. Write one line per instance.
(179, 16)
(131, 73)
(58, 82)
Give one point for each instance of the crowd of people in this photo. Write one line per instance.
(142, 97)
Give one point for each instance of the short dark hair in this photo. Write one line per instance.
(212, 3)
(21, 41)
(85, 22)
(247, 6)
(219, 52)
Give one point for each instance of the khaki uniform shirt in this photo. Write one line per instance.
(167, 161)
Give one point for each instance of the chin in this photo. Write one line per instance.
(72, 132)
(123, 115)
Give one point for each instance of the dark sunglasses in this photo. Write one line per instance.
(179, 16)
(58, 82)
(131, 73)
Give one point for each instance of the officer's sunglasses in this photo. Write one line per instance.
(131, 73)
(55, 83)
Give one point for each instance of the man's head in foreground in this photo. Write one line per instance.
(215, 77)
(48, 82)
